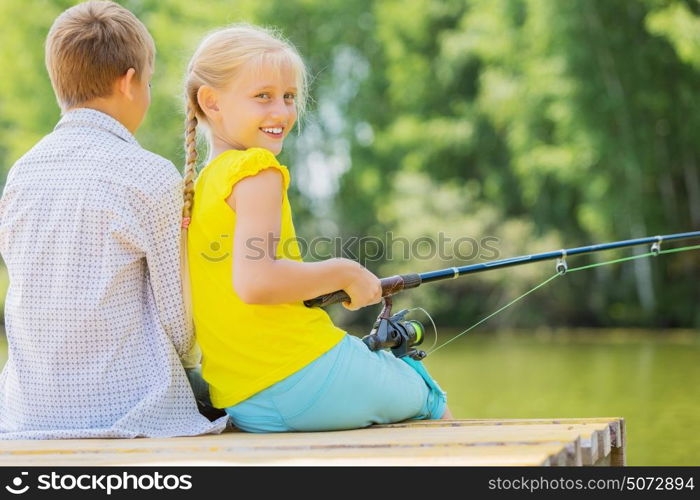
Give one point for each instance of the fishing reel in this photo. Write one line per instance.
(396, 333)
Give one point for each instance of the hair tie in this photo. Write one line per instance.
(186, 222)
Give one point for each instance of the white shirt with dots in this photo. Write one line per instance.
(90, 234)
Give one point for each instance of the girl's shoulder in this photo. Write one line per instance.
(236, 157)
(234, 164)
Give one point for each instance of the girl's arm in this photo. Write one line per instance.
(260, 279)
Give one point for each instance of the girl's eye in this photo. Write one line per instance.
(287, 96)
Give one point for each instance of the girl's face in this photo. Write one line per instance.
(257, 110)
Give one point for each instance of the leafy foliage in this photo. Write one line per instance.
(542, 124)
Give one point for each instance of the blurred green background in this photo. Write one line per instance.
(541, 124)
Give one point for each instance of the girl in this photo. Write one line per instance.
(272, 363)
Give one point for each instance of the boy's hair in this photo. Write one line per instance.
(92, 44)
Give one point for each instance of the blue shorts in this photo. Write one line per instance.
(346, 388)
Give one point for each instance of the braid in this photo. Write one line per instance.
(193, 356)
(190, 162)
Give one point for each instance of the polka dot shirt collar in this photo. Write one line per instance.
(82, 117)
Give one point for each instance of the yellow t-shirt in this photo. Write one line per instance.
(245, 348)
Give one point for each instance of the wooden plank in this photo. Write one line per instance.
(513, 421)
(533, 455)
(369, 438)
(245, 447)
(618, 456)
(615, 439)
(590, 451)
(570, 455)
(483, 442)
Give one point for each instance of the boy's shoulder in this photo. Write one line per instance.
(149, 169)
(96, 137)
(146, 177)
(93, 150)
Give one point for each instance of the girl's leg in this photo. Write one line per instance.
(346, 388)
(360, 389)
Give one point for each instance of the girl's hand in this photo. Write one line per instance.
(364, 288)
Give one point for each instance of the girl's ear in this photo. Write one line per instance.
(208, 101)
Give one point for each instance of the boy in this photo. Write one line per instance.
(89, 230)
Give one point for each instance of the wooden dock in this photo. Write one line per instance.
(585, 441)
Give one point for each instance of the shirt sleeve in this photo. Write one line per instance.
(251, 163)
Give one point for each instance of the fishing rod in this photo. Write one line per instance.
(400, 335)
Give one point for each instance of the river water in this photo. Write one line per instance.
(651, 379)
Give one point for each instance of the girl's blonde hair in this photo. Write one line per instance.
(218, 61)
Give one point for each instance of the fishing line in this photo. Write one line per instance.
(580, 268)
(431, 320)
(494, 313)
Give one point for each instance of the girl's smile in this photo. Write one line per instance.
(274, 132)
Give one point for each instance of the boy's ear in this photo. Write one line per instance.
(125, 83)
(207, 100)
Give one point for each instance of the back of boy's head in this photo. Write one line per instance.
(92, 44)
(219, 59)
